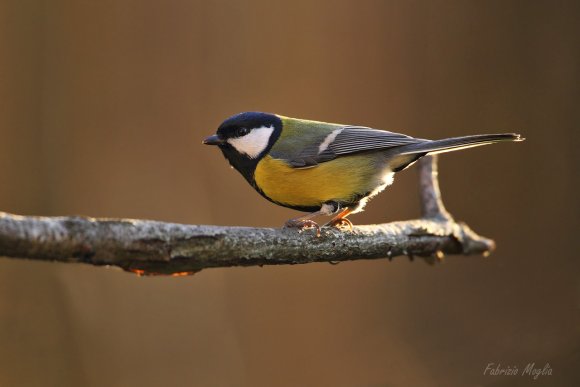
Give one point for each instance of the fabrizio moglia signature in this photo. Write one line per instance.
(531, 369)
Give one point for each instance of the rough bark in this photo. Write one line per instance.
(151, 247)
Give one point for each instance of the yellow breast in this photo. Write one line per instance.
(307, 187)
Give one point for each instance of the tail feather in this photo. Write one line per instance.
(404, 156)
(456, 143)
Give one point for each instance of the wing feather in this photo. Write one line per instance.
(355, 139)
(351, 139)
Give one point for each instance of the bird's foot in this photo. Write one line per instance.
(303, 224)
(340, 223)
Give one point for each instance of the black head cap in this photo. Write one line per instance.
(242, 123)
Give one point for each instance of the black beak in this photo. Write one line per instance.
(213, 140)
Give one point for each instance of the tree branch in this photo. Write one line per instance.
(151, 247)
(431, 203)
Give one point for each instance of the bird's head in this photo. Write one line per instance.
(245, 138)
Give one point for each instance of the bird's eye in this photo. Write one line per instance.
(242, 132)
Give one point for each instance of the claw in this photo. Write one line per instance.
(340, 223)
(340, 220)
(303, 224)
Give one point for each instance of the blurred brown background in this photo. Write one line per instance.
(103, 105)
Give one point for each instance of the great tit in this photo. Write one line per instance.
(323, 168)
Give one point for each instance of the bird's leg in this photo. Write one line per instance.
(340, 220)
(306, 221)
(303, 222)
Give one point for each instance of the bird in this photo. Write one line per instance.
(321, 168)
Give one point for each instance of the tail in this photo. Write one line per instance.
(457, 143)
(408, 154)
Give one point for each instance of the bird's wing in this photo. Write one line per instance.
(347, 140)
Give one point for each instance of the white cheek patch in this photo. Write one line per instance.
(253, 143)
(328, 140)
